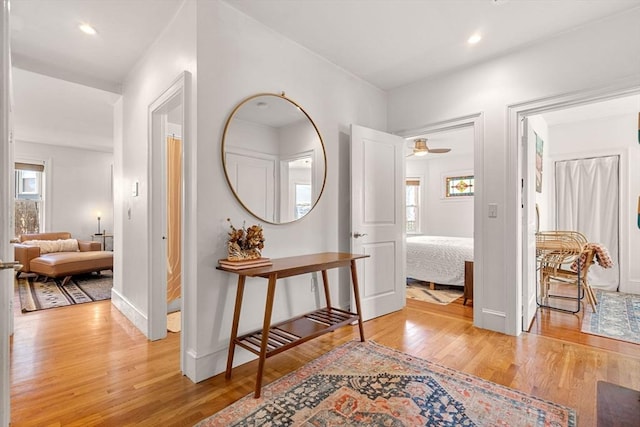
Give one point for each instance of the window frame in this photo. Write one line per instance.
(38, 196)
(409, 181)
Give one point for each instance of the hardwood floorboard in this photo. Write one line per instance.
(86, 365)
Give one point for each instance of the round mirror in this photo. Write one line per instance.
(273, 158)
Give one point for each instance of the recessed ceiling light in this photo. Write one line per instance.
(474, 39)
(87, 29)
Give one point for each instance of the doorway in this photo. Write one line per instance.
(600, 127)
(168, 143)
(443, 216)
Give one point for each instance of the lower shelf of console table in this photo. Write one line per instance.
(276, 338)
(283, 336)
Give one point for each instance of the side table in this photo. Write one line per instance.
(103, 237)
(273, 339)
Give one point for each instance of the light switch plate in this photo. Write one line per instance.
(493, 210)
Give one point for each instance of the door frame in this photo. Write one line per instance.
(157, 292)
(476, 121)
(6, 160)
(514, 219)
(528, 197)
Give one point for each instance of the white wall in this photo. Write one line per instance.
(595, 56)
(238, 57)
(78, 186)
(609, 136)
(170, 55)
(441, 216)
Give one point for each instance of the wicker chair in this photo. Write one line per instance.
(556, 251)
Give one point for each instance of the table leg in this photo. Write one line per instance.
(325, 281)
(234, 327)
(356, 296)
(265, 331)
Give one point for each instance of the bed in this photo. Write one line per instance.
(438, 259)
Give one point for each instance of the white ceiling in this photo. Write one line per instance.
(45, 37)
(53, 111)
(386, 42)
(395, 42)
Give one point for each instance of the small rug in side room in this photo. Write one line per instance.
(366, 384)
(174, 321)
(443, 295)
(38, 295)
(618, 316)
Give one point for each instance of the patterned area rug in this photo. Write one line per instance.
(618, 316)
(443, 295)
(37, 295)
(366, 384)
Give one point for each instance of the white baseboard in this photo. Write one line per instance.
(201, 367)
(494, 320)
(134, 315)
(631, 287)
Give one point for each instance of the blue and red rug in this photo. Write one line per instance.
(618, 316)
(366, 384)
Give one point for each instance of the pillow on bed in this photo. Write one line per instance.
(60, 245)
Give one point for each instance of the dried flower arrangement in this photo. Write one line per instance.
(244, 243)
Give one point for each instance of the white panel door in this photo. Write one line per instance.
(254, 182)
(377, 219)
(529, 225)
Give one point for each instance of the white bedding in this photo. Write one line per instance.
(438, 259)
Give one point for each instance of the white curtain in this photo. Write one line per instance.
(587, 192)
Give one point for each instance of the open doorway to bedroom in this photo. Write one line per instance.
(584, 180)
(439, 206)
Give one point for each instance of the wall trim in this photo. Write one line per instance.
(199, 367)
(131, 312)
(156, 249)
(494, 312)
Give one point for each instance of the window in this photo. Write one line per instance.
(412, 205)
(303, 200)
(457, 186)
(28, 198)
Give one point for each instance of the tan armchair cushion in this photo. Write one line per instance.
(86, 246)
(24, 254)
(60, 245)
(45, 236)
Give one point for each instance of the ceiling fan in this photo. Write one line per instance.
(420, 148)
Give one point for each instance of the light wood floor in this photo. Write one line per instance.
(87, 365)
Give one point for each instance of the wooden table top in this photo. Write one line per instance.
(295, 265)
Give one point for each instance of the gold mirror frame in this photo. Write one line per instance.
(254, 99)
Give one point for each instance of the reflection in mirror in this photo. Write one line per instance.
(274, 158)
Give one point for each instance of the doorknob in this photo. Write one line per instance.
(356, 235)
(15, 265)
